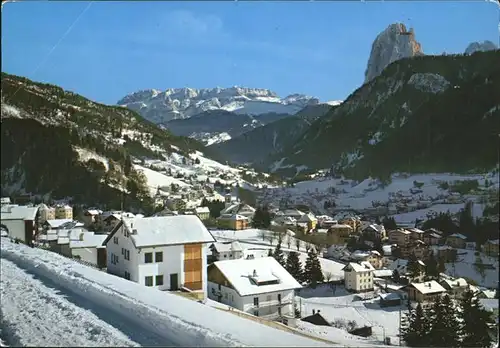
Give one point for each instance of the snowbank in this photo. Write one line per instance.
(180, 321)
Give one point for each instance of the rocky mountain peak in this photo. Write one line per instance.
(394, 43)
(174, 103)
(480, 46)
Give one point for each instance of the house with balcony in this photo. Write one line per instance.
(456, 241)
(425, 293)
(165, 252)
(202, 212)
(309, 220)
(400, 237)
(232, 222)
(358, 277)
(431, 237)
(90, 216)
(46, 213)
(64, 212)
(260, 286)
(374, 232)
(339, 234)
(240, 209)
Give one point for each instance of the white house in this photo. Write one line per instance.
(226, 250)
(166, 252)
(89, 248)
(19, 222)
(260, 286)
(358, 277)
(240, 209)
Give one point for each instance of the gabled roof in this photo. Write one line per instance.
(58, 223)
(307, 218)
(430, 287)
(240, 273)
(164, 230)
(455, 283)
(363, 266)
(16, 212)
(90, 240)
(227, 247)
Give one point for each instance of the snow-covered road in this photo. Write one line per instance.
(49, 300)
(60, 323)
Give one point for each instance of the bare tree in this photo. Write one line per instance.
(288, 240)
(308, 246)
(297, 243)
(271, 238)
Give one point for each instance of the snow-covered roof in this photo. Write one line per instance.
(399, 230)
(429, 287)
(455, 283)
(232, 217)
(55, 223)
(341, 226)
(200, 210)
(16, 212)
(227, 247)
(293, 212)
(458, 235)
(363, 266)
(167, 230)
(244, 275)
(382, 273)
(307, 218)
(90, 240)
(93, 212)
(399, 264)
(496, 241)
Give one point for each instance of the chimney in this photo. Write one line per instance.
(429, 285)
(81, 237)
(255, 273)
(314, 311)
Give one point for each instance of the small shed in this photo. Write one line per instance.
(316, 319)
(390, 299)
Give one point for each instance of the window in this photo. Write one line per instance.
(126, 254)
(123, 251)
(148, 280)
(148, 258)
(256, 301)
(159, 256)
(268, 298)
(127, 275)
(115, 240)
(225, 296)
(159, 280)
(114, 259)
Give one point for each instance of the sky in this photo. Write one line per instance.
(106, 50)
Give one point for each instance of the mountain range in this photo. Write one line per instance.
(179, 103)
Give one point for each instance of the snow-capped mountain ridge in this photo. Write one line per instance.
(178, 103)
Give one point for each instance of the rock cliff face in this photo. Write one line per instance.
(392, 44)
(480, 46)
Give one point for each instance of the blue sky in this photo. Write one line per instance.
(314, 48)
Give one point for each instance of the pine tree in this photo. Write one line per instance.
(475, 321)
(396, 277)
(270, 252)
(312, 270)
(413, 267)
(431, 267)
(294, 266)
(415, 334)
(445, 328)
(278, 254)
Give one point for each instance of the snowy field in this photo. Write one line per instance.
(341, 305)
(359, 196)
(73, 303)
(464, 267)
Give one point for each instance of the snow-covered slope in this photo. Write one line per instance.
(163, 106)
(102, 309)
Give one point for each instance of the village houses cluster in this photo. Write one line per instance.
(174, 251)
